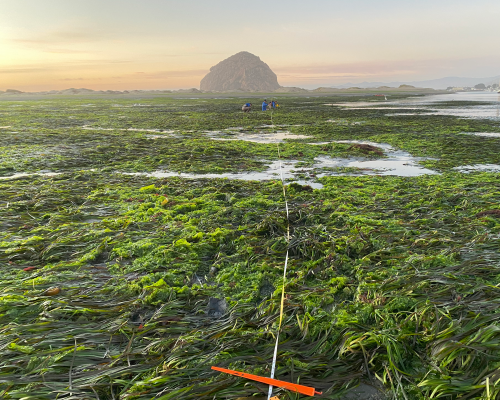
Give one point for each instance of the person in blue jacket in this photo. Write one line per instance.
(273, 104)
(264, 105)
(247, 107)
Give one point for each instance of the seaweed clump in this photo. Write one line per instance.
(391, 279)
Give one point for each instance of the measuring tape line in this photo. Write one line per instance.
(273, 366)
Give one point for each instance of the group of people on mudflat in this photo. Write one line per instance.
(247, 107)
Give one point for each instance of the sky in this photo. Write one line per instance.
(165, 44)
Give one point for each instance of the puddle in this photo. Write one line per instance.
(405, 114)
(148, 130)
(470, 112)
(276, 137)
(365, 106)
(25, 175)
(344, 122)
(398, 162)
(484, 134)
(431, 104)
(96, 213)
(91, 220)
(89, 128)
(273, 172)
(168, 136)
(479, 167)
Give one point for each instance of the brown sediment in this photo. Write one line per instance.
(493, 213)
(367, 148)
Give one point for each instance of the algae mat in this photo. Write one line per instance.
(121, 286)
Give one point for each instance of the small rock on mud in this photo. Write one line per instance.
(216, 307)
(266, 290)
(364, 392)
(197, 280)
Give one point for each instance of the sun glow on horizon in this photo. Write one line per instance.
(163, 45)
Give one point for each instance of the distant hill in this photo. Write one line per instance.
(84, 91)
(441, 83)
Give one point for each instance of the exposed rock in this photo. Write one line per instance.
(365, 392)
(243, 71)
(13, 91)
(216, 307)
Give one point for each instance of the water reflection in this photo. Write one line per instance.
(272, 172)
(431, 104)
(479, 167)
(398, 162)
(275, 137)
(484, 134)
(25, 175)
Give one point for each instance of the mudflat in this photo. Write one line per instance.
(143, 240)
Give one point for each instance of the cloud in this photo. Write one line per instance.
(188, 73)
(193, 52)
(67, 40)
(65, 51)
(65, 36)
(362, 68)
(24, 70)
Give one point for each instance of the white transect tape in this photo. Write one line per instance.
(273, 367)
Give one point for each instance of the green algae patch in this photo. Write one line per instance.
(391, 279)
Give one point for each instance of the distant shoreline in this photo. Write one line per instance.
(321, 92)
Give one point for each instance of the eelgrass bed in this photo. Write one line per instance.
(130, 287)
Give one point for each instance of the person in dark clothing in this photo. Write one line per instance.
(273, 104)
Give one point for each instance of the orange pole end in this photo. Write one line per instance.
(308, 391)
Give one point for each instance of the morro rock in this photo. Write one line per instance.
(241, 72)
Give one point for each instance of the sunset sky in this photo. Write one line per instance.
(164, 44)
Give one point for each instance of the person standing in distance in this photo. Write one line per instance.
(264, 105)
